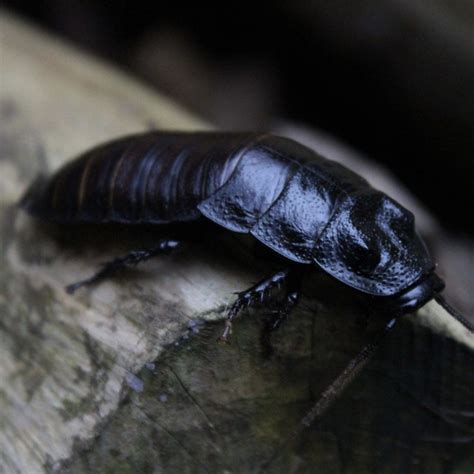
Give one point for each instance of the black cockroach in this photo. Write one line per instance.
(307, 209)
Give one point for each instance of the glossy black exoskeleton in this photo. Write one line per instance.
(309, 210)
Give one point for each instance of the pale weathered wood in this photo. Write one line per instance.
(125, 376)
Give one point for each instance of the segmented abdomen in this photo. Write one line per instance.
(151, 178)
(279, 191)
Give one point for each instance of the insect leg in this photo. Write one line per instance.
(252, 295)
(131, 259)
(291, 300)
(281, 314)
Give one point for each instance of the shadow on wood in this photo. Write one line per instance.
(127, 376)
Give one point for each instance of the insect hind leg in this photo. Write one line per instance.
(132, 259)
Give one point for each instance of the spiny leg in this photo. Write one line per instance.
(292, 295)
(133, 258)
(250, 296)
(280, 315)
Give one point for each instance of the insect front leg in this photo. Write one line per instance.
(256, 293)
(132, 259)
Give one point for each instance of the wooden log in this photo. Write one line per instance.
(127, 377)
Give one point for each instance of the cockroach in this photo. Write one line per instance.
(308, 209)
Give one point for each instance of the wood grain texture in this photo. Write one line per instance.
(126, 377)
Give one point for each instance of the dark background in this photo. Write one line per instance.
(394, 79)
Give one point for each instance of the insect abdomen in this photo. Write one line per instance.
(277, 190)
(150, 178)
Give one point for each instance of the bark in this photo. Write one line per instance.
(127, 376)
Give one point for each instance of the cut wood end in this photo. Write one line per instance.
(434, 316)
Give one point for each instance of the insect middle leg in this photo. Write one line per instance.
(282, 312)
(258, 293)
(133, 258)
